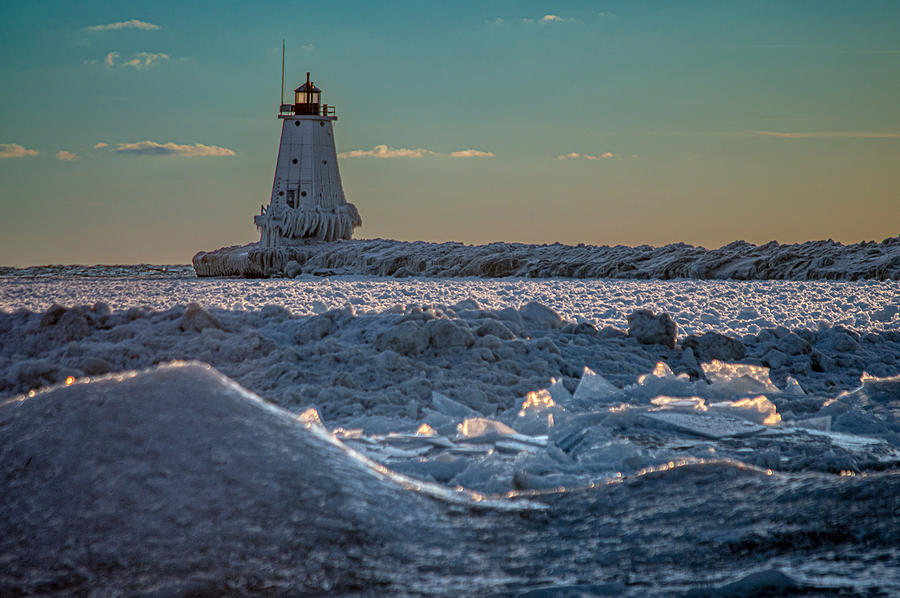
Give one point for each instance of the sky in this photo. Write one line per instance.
(143, 132)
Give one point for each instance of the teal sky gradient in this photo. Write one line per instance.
(724, 120)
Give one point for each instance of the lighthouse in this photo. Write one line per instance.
(307, 199)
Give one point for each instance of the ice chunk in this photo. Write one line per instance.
(692, 403)
(406, 338)
(661, 370)
(559, 393)
(539, 412)
(481, 429)
(689, 361)
(515, 446)
(662, 381)
(593, 386)
(443, 334)
(879, 390)
(441, 468)
(447, 406)
(793, 387)
(730, 379)
(822, 423)
(758, 409)
(600, 453)
(713, 345)
(648, 328)
(705, 425)
(540, 317)
(292, 269)
(196, 318)
(425, 430)
(537, 401)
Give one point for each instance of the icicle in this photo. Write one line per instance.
(324, 224)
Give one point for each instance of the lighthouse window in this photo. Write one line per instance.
(303, 194)
(296, 123)
(294, 160)
(281, 193)
(321, 124)
(324, 161)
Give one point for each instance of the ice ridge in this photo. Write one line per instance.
(813, 260)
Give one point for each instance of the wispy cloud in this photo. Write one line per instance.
(549, 19)
(546, 19)
(139, 60)
(383, 151)
(14, 150)
(65, 156)
(576, 156)
(100, 145)
(129, 24)
(830, 135)
(471, 153)
(152, 148)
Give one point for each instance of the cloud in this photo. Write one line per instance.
(308, 47)
(100, 145)
(383, 151)
(129, 24)
(65, 156)
(139, 60)
(576, 155)
(548, 19)
(14, 150)
(471, 153)
(831, 135)
(151, 148)
(144, 60)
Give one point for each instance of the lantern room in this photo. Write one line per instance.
(306, 98)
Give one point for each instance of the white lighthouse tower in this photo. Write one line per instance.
(307, 198)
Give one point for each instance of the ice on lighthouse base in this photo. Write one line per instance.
(280, 222)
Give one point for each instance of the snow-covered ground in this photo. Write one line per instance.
(542, 389)
(730, 307)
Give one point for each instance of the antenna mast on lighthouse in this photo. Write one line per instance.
(282, 71)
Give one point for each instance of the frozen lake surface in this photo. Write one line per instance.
(512, 430)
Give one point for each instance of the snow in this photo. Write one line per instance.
(691, 303)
